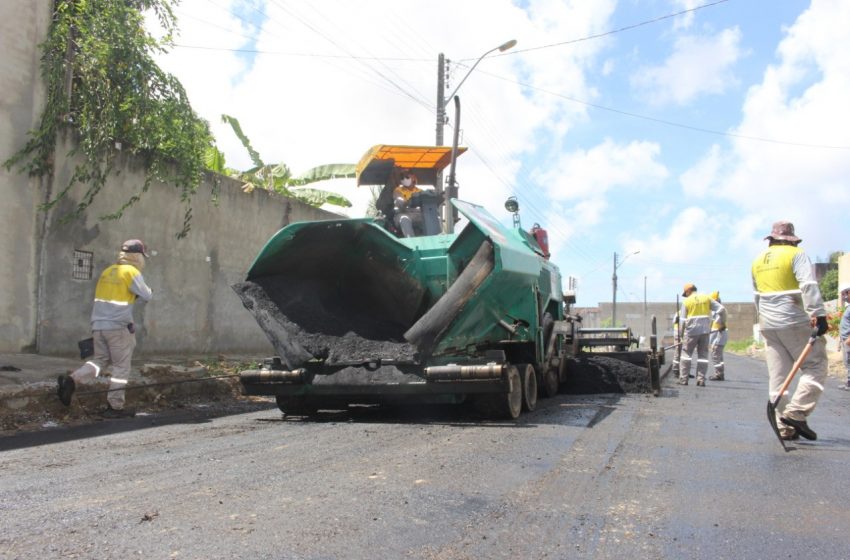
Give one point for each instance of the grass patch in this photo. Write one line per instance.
(742, 346)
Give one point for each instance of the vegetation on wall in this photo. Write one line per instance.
(103, 86)
(277, 177)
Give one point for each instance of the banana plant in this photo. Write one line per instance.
(278, 177)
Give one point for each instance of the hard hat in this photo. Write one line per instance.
(688, 287)
(715, 295)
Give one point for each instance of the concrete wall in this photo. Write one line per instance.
(740, 317)
(43, 308)
(194, 310)
(23, 25)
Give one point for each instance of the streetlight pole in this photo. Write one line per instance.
(442, 103)
(614, 282)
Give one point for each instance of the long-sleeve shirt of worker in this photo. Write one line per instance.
(116, 292)
(786, 293)
(697, 311)
(844, 325)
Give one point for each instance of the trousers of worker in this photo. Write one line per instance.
(717, 342)
(115, 348)
(700, 344)
(782, 348)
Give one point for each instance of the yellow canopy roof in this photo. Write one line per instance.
(375, 164)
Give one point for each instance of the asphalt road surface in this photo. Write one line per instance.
(694, 473)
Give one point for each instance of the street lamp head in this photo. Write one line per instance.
(509, 45)
(512, 205)
(502, 48)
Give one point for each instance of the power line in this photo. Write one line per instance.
(666, 122)
(606, 33)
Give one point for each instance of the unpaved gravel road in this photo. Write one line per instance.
(695, 473)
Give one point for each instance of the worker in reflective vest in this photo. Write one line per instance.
(696, 312)
(790, 305)
(113, 328)
(717, 342)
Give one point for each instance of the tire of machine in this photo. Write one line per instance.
(548, 380)
(529, 386)
(550, 383)
(295, 406)
(503, 406)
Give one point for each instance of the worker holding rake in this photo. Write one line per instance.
(790, 306)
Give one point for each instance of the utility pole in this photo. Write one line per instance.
(441, 97)
(614, 298)
(441, 114)
(645, 334)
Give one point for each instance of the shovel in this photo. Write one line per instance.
(678, 344)
(771, 405)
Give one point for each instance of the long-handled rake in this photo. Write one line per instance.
(772, 404)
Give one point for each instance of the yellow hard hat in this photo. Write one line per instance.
(715, 295)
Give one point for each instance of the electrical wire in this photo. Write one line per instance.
(513, 52)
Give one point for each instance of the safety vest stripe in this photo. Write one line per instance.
(118, 380)
(112, 301)
(698, 316)
(786, 292)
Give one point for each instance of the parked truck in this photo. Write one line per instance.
(358, 313)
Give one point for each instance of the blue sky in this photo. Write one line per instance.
(675, 142)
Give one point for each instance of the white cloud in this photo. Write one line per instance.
(310, 110)
(699, 179)
(801, 99)
(685, 20)
(699, 65)
(690, 237)
(593, 172)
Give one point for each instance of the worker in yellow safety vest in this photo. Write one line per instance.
(717, 342)
(696, 313)
(113, 328)
(790, 306)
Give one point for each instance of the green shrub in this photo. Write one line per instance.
(741, 346)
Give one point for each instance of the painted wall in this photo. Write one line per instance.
(44, 308)
(194, 310)
(23, 25)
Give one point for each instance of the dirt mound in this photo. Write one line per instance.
(599, 374)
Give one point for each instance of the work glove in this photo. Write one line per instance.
(822, 326)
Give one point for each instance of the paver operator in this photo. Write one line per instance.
(407, 218)
(113, 328)
(790, 305)
(696, 313)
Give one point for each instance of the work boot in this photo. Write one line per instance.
(65, 388)
(700, 381)
(118, 412)
(801, 426)
(682, 381)
(717, 377)
(846, 386)
(789, 435)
